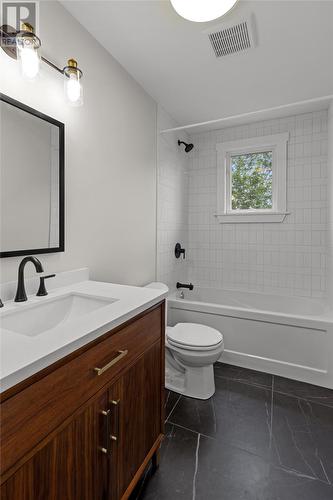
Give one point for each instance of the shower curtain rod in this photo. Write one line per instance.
(315, 100)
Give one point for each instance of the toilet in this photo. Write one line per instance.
(191, 349)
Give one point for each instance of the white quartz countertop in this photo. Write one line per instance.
(23, 355)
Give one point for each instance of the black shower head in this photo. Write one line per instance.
(188, 147)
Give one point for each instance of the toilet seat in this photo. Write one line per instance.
(194, 336)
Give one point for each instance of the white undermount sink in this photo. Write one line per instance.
(35, 319)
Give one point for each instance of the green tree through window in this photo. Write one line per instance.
(251, 181)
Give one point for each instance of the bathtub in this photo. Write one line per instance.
(287, 336)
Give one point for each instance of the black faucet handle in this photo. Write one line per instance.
(190, 286)
(179, 251)
(42, 290)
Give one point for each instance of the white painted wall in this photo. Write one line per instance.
(330, 198)
(110, 155)
(287, 258)
(172, 196)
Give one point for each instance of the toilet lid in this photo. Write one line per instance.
(194, 335)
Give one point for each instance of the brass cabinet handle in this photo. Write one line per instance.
(115, 426)
(105, 448)
(121, 354)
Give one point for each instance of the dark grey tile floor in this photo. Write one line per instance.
(260, 437)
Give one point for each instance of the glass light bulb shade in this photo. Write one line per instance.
(73, 89)
(28, 55)
(201, 11)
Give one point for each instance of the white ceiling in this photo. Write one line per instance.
(173, 60)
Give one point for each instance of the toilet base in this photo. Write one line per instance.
(196, 382)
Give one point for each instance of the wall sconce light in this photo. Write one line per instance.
(27, 47)
(24, 45)
(72, 83)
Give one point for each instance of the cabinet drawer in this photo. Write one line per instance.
(30, 415)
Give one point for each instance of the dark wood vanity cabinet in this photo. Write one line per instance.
(70, 434)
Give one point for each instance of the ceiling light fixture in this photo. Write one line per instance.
(24, 46)
(201, 11)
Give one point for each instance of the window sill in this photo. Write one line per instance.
(229, 218)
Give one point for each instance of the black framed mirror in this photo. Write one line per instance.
(32, 181)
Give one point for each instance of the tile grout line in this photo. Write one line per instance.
(304, 398)
(272, 406)
(196, 468)
(174, 406)
(189, 430)
(167, 399)
(242, 381)
(314, 399)
(280, 466)
(287, 469)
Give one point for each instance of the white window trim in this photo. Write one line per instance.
(276, 143)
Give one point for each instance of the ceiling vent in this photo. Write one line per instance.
(232, 39)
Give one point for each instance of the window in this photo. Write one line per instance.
(251, 179)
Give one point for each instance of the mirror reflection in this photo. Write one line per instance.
(31, 157)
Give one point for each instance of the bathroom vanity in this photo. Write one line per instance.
(85, 425)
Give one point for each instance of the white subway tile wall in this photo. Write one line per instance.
(285, 258)
(172, 205)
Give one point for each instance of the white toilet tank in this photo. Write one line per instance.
(157, 285)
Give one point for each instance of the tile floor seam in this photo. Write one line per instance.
(167, 446)
(262, 457)
(214, 414)
(272, 413)
(304, 399)
(244, 450)
(173, 408)
(196, 468)
(240, 381)
(167, 399)
(191, 430)
(265, 386)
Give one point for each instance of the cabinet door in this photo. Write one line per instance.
(71, 466)
(139, 413)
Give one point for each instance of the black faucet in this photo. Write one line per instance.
(184, 285)
(1, 303)
(21, 296)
